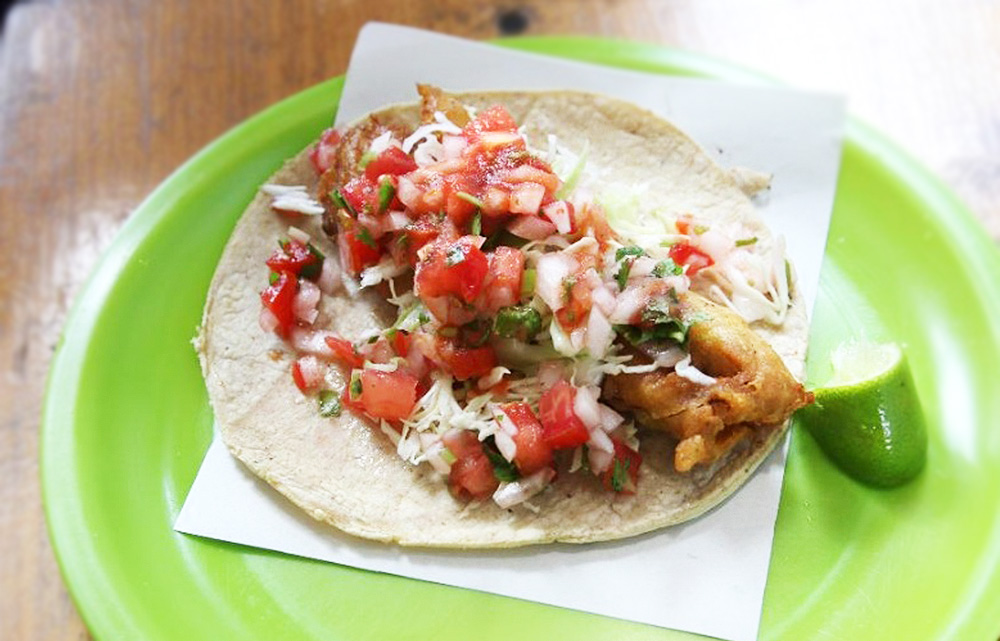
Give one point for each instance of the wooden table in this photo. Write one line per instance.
(100, 100)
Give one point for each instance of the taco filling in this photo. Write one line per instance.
(541, 325)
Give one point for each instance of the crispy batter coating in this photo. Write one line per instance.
(753, 390)
(434, 99)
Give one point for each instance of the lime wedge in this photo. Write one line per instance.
(868, 419)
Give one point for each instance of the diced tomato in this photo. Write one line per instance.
(459, 210)
(577, 308)
(694, 258)
(471, 474)
(465, 362)
(393, 161)
(503, 280)
(307, 372)
(357, 248)
(401, 342)
(452, 268)
(323, 154)
(533, 452)
(623, 473)
(592, 218)
(361, 194)
(300, 381)
(562, 428)
(279, 298)
(350, 402)
(344, 351)
(295, 257)
(388, 395)
(495, 118)
(379, 351)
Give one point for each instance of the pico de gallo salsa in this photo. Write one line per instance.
(515, 298)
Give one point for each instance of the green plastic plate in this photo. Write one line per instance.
(127, 422)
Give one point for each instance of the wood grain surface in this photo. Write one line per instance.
(101, 99)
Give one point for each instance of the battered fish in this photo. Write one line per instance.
(753, 391)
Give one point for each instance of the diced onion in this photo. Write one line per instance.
(628, 305)
(268, 321)
(610, 419)
(531, 227)
(600, 334)
(311, 341)
(330, 276)
(559, 213)
(297, 234)
(396, 220)
(603, 299)
(312, 370)
(306, 299)
(510, 494)
(382, 142)
(600, 452)
(408, 193)
(642, 266)
(586, 408)
(506, 445)
(453, 146)
(552, 270)
(526, 198)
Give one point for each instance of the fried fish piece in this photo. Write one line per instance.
(434, 99)
(753, 391)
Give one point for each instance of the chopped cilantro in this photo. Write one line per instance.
(386, 192)
(623, 271)
(667, 266)
(341, 202)
(504, 470)
(423, 318)
(619, 476)
(469, 198)
(315, 268)
(355, 388)
(629, 251)
(743, 242)
(365, 236)
(518, 321)
(329, 403)
(658, 324)
(477, 224)
(528, 282)
(273, 278)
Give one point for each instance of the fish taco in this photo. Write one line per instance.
(499, 319)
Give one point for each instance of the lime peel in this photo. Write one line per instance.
(867, 418)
